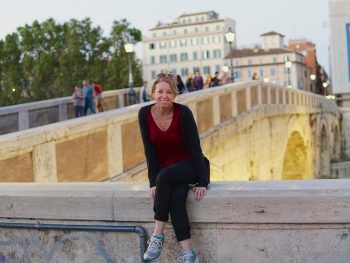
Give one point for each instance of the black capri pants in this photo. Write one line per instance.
(171, 194)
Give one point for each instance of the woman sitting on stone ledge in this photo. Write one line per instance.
(174, 160)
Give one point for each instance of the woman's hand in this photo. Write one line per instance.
(199, 192)
(152, 192)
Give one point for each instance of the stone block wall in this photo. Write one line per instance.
(270, 221)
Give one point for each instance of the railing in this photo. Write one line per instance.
(29, 115)
(101, 146)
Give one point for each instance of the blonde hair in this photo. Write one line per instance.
(170, 79)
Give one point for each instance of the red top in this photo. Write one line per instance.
(98, 89)
(170, 143)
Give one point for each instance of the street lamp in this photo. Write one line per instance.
(230, 37)
(288, 65)
(129, 48)
(325, 85)
(313, 78)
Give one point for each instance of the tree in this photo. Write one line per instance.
(45, 60)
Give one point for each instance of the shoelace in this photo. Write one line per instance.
(154, 244)
(186, 258)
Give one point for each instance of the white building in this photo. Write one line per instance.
(339, 12)
(193, 41)
(268, 61)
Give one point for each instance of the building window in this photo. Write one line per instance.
(274, 60)
(195, 55)
(205, 54)
(237, 74)
(174, 32)
(197, 19)
(152, 46)
(162, 59)
(217, 27)
(195, 69)
(273, 71)
(250, 74)
(183, 56)
(153, 60)
(250, 61)
(261, 71)
(217, 53)
(206, 70)
(205, 40)
(162, 44)
(164, 33)
(183, 42)
(196, 29)
(173, 57)
(184, 72)
(194, 41)
(154, 35)
(217, 68)
(305, 73)
(172, 43)
(261, 60)
(206, 29)
(153, 74)
(185, 31)
(216, 39)
(237, 63)
(174, 71)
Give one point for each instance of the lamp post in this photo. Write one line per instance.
(288, 65)
(325, 86)
(230, 37)
(129, 48)
(313, 78)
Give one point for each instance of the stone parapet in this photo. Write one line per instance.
(267, 221)
(29, 115)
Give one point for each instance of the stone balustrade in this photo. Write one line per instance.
(265, 221)
(108, 145)
(29, 115)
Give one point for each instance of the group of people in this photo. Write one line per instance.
(85, 97)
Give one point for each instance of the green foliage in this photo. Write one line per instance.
(45, 60)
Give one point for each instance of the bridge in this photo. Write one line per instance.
(251, 131)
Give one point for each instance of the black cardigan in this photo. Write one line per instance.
(192, 144)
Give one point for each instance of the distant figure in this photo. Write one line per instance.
(78, 101)
(225, 78)
(144, 92)
(189, 83)
(255, 76)
(198, 81)
(180, 85)
(207, 81)
(89, 97)
(215, 80)
(98, 91)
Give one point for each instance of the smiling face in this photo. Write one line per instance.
(164, 94)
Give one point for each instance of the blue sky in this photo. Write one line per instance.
(293, 18)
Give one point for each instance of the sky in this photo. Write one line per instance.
(296, 19)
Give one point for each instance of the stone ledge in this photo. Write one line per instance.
(264, 202)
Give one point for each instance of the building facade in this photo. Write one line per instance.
(271, 62)
(339, 12)
(192, 42)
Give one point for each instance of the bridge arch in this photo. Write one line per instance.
(296, 159)
(295, 165)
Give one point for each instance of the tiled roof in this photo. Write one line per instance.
(271, 33)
